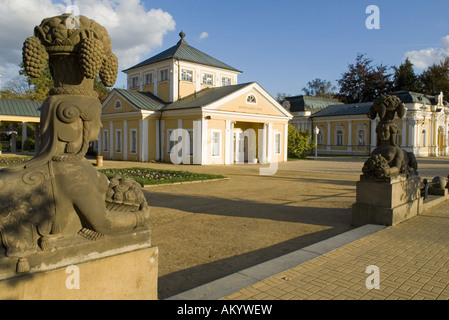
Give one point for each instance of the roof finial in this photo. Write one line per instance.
(182, 35)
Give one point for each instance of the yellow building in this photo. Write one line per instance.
(345, 129)
(183, 106)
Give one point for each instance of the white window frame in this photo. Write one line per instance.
(277, 143)
(213, 154)
(134, 81)
(151, 79)
(163, 72)
(105, 141)
(228, 83)
(208, 79)
(187, 72)
(118, 104)
(118, 141)
(319, 137)
(339, 138)
(131, 144)
(361, 138)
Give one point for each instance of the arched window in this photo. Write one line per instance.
(319, 136)
(361, 138)
(251, 99)
(339, 135)
(118, 105)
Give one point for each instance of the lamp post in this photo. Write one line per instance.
(317, 130)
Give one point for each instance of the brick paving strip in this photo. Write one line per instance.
(412, 257)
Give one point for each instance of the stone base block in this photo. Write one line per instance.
(117, 267)
(438, 191)
(387, 202)
(363, 214)
(127, 276)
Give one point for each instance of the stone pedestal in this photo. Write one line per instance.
(387, 202)
(123, 266)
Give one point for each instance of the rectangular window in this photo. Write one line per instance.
(105, 140)
(149, 78)
(118, 141)
(361, 138)
(226, 81)
(186, 75)
(133, 141)
(208, 79)
(134, 82)
(277, 143)
(216, 143)
(163, 75)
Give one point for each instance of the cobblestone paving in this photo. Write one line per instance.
(412, 257)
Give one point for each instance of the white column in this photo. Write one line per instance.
(270, 142)
(228, 142)
(162, 139)
(197, 141)
(111, 140)
(329, 142)
(143, 125)
(263, 144)
(99, 151)
(349, 148)
(125, 140)
(158, 142)
(204, 138)
(285, 147)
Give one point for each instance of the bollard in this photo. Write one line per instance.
(99, 161)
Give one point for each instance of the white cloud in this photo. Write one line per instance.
(134, 30)
(422, 59)
(204, 35)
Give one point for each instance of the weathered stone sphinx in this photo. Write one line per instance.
(389, 189)
(57, 205)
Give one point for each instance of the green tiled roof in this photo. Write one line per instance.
(308, 103)
(344, 110)
(20, 108)
(184, 52)
(414, 97)
(142, 100)
(204, 97)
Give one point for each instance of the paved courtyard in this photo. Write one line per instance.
(206, 231)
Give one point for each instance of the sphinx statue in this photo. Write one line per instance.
(58, 193)
(388, 159)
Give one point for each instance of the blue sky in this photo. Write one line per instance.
(280, 44)
(284, 44)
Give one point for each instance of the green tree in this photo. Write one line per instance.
(405, 78)
(298, 143)
(435, 79)
(319, 88)
(364, 82)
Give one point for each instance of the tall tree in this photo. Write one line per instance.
(319, 88)
(364, 82)
(406, 79)
(435, 79)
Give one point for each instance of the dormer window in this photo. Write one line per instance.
(251, 99)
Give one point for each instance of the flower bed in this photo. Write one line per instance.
(147, 176)
(6, 161)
